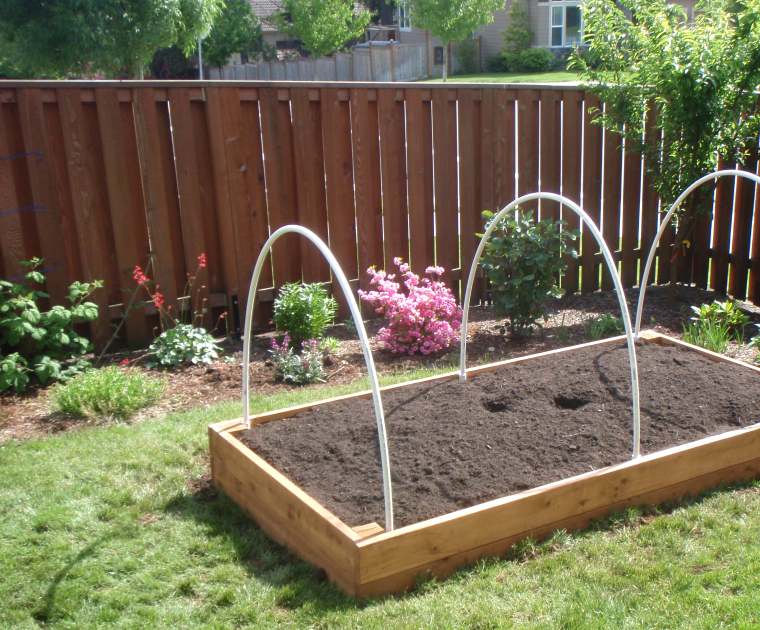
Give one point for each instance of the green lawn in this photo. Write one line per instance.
(100, 527)
(512, 77)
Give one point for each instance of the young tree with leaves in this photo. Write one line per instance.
(235, 30)
(65, 38)
(323, 26)
(695, 80)
(452, 20)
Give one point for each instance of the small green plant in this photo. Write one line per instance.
(304, 311)
(182, 345)
(605, 325)
(725, 314)
(529, 60)
(38, 345)
(707, 333)
(523, 260)
(755, 342)
(329, 345)
(109, 392)
(467, 56)
(297, 368)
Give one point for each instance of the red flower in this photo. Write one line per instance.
(158, 300)
(139, 276)
(124, 362)
(202, 261)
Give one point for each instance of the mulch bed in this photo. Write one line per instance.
(30, 415)
(454, 445)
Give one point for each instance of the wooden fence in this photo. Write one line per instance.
(100, 177)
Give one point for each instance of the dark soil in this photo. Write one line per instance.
(454, 445)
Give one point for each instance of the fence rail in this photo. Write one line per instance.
(97, 177)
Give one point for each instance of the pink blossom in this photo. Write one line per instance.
(422, 317)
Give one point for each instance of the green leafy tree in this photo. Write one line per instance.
(698, 78)
(236, 30)
(39, 38)
(518, 34)
(452, 20)
(323, 26)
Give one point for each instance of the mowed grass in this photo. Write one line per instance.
(100, 527)
(560, 76)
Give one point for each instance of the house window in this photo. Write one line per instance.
(404, 15)
(566, 24)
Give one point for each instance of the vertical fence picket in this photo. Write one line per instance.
(740, 235)
(18, 234)
(445, 155)
(650, 199)
(280, 176)
(470, 207)
(528, 140)
(339, 181)
(420, 172)
(592, 187)
(630, 216)
(503, 144)
(47, 215)
(390, 104)
(613, 163)
(551, 154)
(572, 126)
(90, 202)
(724, 197)
(366, 151)
(125, 202)
(310, 182)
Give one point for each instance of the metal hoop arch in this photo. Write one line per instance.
(636, 449)
(731, 172)
(358, 322)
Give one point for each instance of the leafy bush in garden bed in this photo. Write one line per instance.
(109, 392)
(297, 368)
(605, 325)
(304, 311)
(182, 341)
(724, 315)
(523, 260)
(38, 345)
(421, 313)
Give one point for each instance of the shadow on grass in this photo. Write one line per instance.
(297, 583)
(44, 613)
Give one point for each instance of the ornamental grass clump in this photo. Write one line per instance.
(422, 314)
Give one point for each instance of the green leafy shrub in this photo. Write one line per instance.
(184, 344)
(522, 261)
(294, 368)
(529, 60)
(755, 342)
(725, 315)
(304, 311)
(707, 333)
(109, 392)
(605, 325)
(42, 346)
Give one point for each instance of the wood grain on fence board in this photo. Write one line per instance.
(551, 151)
(125, 205)
(592, 188)
(90, 201)
(394, 180)
(310, 180)
(724, 195)
(419, 156)
(470, 207)
(446, 191)
(742, 210)
(572, 128)
(527, 146)
(366, 152)
(282, 201)
(48, 218)
(339, 183)
(630, 216)
(613, 166)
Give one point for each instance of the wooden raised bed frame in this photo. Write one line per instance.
(366, 561)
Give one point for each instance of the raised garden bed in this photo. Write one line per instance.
(525, 447)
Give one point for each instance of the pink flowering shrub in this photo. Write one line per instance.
(422, 314)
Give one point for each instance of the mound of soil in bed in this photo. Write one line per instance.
(454, 445)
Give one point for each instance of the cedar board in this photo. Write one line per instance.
(366, 561)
